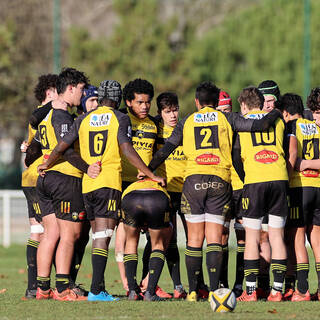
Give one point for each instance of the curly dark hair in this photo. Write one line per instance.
(208, 94)
(313, 100)
(70, 76)
(138, 86)
(167, 99)
(292, 103)
(252, 97)
(45, 82)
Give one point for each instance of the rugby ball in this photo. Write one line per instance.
(223, 300)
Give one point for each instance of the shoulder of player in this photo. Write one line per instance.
(59, 115)
(120, 115)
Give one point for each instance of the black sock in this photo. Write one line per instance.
(32, 247)
(99, 261)
(279, 269)
(264, 281)
(194, 266)
(224, 267)
(302, 277)
(318, 274)
(62, 282)
(130, 265)
(79, 250)
(251, 270)
(173, 262)
(43, 283)
(239, 264)
(155, 267)
(145, 258)
(289, 282)
(214, 260)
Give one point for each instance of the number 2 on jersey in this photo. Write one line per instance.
(206, 137)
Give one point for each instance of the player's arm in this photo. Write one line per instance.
(291, 145)
(236, 157)
(241, 124)
(124, 141)
(39, 114)
(33, 152)
(171, 144)
(302, 164)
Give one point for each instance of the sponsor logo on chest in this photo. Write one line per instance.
(205, 117)
(266, 156)
(308, 129)
(100, 120)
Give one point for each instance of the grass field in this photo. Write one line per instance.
(13, 282)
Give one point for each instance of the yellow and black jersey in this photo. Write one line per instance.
(308, 136)
(144, 134)
(174, 166)
(30, 175)
(51, 130)
(263, 153)
(206, 136)
(145, 184)
(100, 134)
(236, 182)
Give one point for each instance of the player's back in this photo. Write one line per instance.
(207, 143)
(263, 153)
(98, 138)
(308, 147)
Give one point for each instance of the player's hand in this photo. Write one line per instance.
(160, 180)
(24, 146)
(141, 175)
(58, 104)
(94, 170)
(41, 169)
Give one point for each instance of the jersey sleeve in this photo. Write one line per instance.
(73, 133)
(291, 128)
(124, 132)
(236, 157)
(240, 124)
(39, 114)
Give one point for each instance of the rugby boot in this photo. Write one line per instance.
(179, 293)
(237, 289)
(288, 294)
(44, 294)
(298, 296)
(149, 297)
(67, 295)
(203, 292)
(262, 293)
(30, 294)
(162, 294)
(79, 290)
(275, 296)
(192, 296)
(102, 296)
(133, 295)
(248, 297)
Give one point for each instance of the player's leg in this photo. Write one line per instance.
(120, 242)
(240, 235)
(223, 280)
(45, 254)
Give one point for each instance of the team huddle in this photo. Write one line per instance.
(90, 165)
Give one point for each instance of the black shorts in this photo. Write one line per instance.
(146, 208)
(304, 208)
(261, 199)
(206, 194)
(33, 202)
(103, 203)
(236, 204)
(61, 194)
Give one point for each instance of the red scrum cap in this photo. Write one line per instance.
(224, 99)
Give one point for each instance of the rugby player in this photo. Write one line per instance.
(173, 170)
(45, 91)
(137, 95)
(304, 202)
(264, 193)
(206, 137)
(145, 204)
(225, 105)
(62, 209)
(102, 133)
